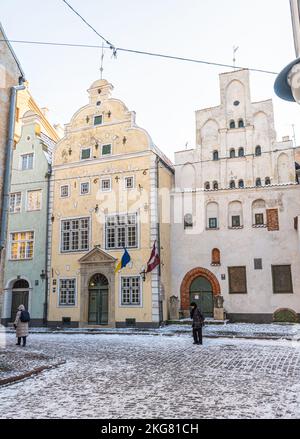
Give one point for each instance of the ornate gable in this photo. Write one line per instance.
(97, 255)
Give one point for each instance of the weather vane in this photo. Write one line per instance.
(235, 49)
(102, 58)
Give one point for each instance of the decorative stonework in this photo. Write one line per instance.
(189, 278)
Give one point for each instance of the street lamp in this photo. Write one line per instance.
(287, 84)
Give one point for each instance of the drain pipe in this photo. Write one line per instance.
(8, 164)
(48, 176)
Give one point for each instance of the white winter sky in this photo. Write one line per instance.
(164, 93)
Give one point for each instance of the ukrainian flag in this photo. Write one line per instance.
(124, 261)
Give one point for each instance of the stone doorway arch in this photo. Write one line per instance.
(186, 285)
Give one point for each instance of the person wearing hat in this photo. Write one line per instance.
(198, 322)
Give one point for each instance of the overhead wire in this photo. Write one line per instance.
(141, 52)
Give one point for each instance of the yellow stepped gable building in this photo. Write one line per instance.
(110, 194)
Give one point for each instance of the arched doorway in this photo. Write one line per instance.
(201, 292)
(198, 280)
(98, 300)
(20, 294)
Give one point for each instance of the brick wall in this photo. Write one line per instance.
(272, 220)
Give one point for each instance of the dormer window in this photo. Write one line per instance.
(207, 186)
(107, 149)
(241, 152)
(232, 184)
(241, 123)
(232, 153)
(215, 185)
(258, 182)
(241, 184)
(232, 124)
(85, 154)
(98, 120)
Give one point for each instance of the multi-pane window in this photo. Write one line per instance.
(22, 245)
(98, 120)
(67, 292)
(64, 191)
(106, 149)
(236, 221)
(121, 231)
(75, 235)
(34, 200)
(282, 279)
(84, 188)
(27, 161)
(106, 185)
(15, 202)
(129, 182)
(131, 291)
(213, 223)
(259, 219)
(85, 154)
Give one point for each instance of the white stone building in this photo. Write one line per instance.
(235, 241)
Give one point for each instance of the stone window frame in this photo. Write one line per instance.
(118, 226)
(85, 148)
(96, 117)
(102, 146)
(106, 189)
(68, 191)
(128, 177)
(132, 289)
(72, 231)
(89, 188)
(67, 304)
(12, 196)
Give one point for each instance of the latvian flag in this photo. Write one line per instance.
(154, 260)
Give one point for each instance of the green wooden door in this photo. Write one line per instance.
(18, 298)
(202, 294)
(98, 300)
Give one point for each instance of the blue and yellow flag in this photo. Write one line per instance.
(124, 261)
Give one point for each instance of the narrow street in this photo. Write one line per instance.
(121, 376)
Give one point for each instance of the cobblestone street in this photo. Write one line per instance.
(120, 376)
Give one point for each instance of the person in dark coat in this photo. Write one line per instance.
(198, 322)
(21, 327)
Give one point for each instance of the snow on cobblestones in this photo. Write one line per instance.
(118, 376)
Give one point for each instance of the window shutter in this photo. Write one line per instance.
(282, 279)
(272, 220)
(237, 280)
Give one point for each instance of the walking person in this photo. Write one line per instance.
(21, 325)
(198, 323)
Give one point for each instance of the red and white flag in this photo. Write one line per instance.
(154, 260)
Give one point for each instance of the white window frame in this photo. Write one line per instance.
(89, 235)
(69, 191)
(80, 188)
(27, 207)
(21, 199)
(58, 292)
(11, 243)
(110, 184)
(21, 161)
(98, 124)
(137, 232)
(85, 148)
(106, 155)
(133, 183)
(121, 277)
